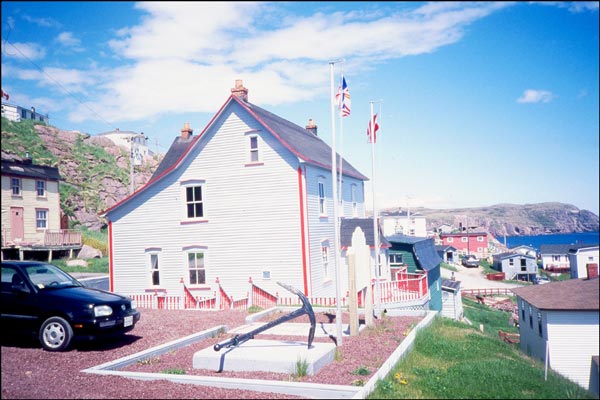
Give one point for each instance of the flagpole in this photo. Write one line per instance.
(375, 216)
(336, 230)
(341, 187)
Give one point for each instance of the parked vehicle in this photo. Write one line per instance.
(470, 261)
(42, 299)
(540, 280)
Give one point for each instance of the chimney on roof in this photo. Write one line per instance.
(240, 91)
(186, 131)
(27, 160)
(311, 127)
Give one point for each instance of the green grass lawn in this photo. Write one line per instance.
(453, 360)
(98, 265)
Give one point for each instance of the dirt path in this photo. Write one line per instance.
(473, 278)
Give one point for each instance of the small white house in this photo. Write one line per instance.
(516, 265)
(582, 260)
(555, 257)
(135, 143)
(17, 113)
(404, 223)
(559, 322)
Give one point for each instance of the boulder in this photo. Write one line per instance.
(89, 252)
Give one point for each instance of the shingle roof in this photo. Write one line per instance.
(16, 168)
(509, 254)
(348, 226)
(572, 294)
(444, 248)
(560, 248)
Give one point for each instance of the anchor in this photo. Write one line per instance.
(305, 309)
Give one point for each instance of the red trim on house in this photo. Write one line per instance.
(111, 284)
(302, 232)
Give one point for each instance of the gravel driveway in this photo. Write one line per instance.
(30, 372)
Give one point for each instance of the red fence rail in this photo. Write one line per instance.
(486, 291)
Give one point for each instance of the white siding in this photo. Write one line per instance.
(252, 213)
(580, 260)
(573, 339)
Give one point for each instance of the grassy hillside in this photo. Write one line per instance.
(451, 360)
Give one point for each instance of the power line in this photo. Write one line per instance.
(59, 84)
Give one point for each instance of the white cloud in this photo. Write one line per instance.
(67, 40)
(536, 96)
(209, 45)
(32, 51)
(43, 22)
(75, 81)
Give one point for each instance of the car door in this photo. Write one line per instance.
(19, 309)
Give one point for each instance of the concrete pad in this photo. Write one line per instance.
(266, 355)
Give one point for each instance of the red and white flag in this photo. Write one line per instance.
(372, 130)
(4, 95)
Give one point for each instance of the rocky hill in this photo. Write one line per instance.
(513, 219)
(94, 170)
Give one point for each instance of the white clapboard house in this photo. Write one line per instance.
(559, 324)
(250, 197)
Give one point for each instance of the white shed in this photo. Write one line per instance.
(451, 299)
(559, 322)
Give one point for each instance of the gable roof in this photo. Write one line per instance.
(512, 254)
(441, 247)
(348, 226)
(572, 294)
(560, 248)
(305, 145)
(423, 249)
(27, 170)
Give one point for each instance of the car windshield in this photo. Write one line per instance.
(48, 276)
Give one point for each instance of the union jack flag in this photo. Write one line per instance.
(372, 130)
(343, 98)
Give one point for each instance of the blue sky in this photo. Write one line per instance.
(482, 103)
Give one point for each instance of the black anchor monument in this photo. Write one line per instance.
(305, 309)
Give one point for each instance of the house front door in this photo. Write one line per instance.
(16, 223)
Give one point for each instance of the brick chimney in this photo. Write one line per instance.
(186, 131)
(240, 91)
(311, 127)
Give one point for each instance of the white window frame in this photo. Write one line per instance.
(41, 218)
(16, 185)
(464, 239)
(154, 259)
(253, 149)
(40, 186)
(450, 239)
(325, 260)
(197, 269)
(322, 197)
(480, 238)
(184, 203)
(353, 189)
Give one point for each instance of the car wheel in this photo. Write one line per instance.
(55, 334)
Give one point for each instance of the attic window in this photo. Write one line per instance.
(254, 149)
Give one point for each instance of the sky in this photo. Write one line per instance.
(478, 103)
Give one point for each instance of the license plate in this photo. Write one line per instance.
(128, 321)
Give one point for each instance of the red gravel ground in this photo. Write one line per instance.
(30, 372)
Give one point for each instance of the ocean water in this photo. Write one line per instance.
(560, 238)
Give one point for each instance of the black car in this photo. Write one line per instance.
(41, 298)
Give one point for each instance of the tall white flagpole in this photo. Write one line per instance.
(375, 218)
(341, 187)
(336, 234)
